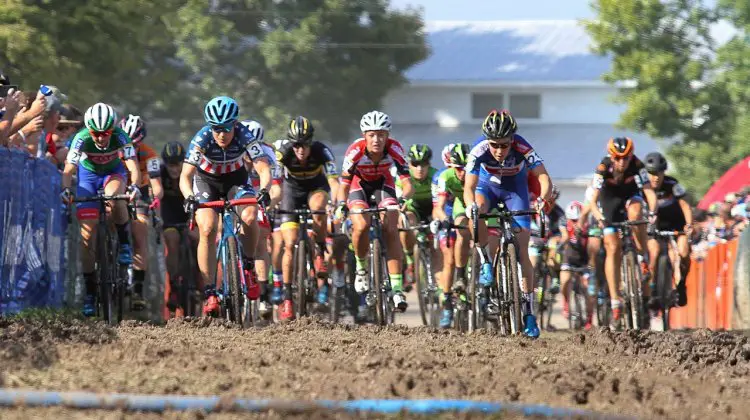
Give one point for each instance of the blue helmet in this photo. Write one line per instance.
(221, 110)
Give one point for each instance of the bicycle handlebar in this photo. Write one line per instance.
(118, 197)
(220, 204)
(628, 223)
(374, 210)
(666, 233)
(301, 211)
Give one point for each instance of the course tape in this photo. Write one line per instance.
(160, 403)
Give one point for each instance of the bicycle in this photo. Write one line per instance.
(631, 279)
(501, 300)
(546, 299)
(343, 297)
(188, 292)
(428, 291)
(304, 285)
(111, 276)
(578, 298)
(379, 295)
(601, 288)
(667, 272)
(233, 297)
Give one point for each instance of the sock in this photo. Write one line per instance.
(397, 282)
(615, 303)
(89, 280)
(138, 277)
(277, 279)
(361, 263)
(288, 293)
(529, 306)
(123, 233)
(409, 258)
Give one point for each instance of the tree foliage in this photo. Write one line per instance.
(688, 90)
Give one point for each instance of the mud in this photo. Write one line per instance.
(696, 374)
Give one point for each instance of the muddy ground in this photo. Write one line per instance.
(680, 375)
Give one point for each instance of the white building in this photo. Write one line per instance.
(542, 71)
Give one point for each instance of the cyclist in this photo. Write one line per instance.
(497, 172)
(449, 208)
(417, 209)
(265, 307)
(366, 173)
(620, 183)
(277, 239)
(593, 242)
(95, 152)
(555, 234)
(573, 251)
(150, 169)
(675, 214)
(173, 214)
(310, 175)
(213, 169)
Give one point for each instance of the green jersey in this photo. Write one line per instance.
(421, 200)
(448, 185)
(83, 150)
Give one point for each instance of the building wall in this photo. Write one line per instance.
(449, 106)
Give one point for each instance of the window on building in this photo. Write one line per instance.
(526, 106)
(483, 103)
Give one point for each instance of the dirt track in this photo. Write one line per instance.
(653, 374)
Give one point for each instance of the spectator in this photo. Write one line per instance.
(9, 107)
(71, 121)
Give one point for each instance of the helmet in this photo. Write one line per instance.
(221, 110)
(555, 193)
(655, 163)
(620, 147)
(375, 120)
(280, 144)
(445, 154)
(255, 127)
(458, 154)
(100, 117)
(300, 130)
(574, 210)
(173, 152)
(420, 153)
(499, 124)
(135, 127)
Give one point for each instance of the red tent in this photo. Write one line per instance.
(733, 180)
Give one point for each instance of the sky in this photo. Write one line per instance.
(503, 9)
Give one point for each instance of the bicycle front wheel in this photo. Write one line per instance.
(633, 306)
(236, 297)
(475, 313)
(300, 278)
(426, 292)
(664, 275)
(381, 299)
(512, 289)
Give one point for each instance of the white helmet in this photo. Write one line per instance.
(256, 128)
(100, 117)
(574, 210)
(375, 120)
(280, 144)
(445, 154)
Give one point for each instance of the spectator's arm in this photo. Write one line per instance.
(12, 106)
(24, 118)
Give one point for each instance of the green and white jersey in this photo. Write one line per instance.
(83, 150)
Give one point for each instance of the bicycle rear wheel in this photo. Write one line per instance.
(664, 278)
(232, 275)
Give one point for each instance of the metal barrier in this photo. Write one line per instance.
(32, 233)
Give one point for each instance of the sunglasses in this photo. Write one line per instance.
(101, 133)
(620, 158)
(415, 164)
(496, 145)
(298, 145)
(222, 128)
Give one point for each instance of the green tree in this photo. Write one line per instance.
(686, 88)
(331, 60)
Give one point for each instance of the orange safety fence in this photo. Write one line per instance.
(710, 290)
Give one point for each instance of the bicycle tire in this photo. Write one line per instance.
(232, 275)
(104, 273)
(184, 295)
(633, 301)
(336, 300)
(300, 279)
(425, 296)
(603, 309)
(377, 283)
(664, 278)
(500, 294)
(475, 320)
(352, 297)
(514, 287)
(541, 278)
(578, 298)
(433, 297)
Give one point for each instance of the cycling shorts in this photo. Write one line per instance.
(573, 255)
(172, 214)
(295, 195)
(212, 188)
(383, 191)
(670, 218)
(615, 207)
(513, 200)
(89, 184)
(422, 209)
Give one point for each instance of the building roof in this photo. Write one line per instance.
(510, 51)
(570, 151)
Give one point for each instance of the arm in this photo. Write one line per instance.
(67, 174)
(545, 182)
(263, 168)
(156, 188)
(135, 172)
(687, 212)
(440, 207)
(407, 190)
(186, 179)
(333, 182)
(593, 207)
(275, 193)
(470, 185)
(650, 197)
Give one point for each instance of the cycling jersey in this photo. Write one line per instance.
(320, 162)
(505, 181)
(172, 203)
(213, 160)
(275, 168)
(574, 252)
(556, 220)
(368, 178)
(670, 213)
(421, 200)
(85, 152)
(446, 184)
(148, 163)
(617, 190)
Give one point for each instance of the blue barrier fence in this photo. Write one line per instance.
(32, 233)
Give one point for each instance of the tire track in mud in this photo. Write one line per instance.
(647, 374)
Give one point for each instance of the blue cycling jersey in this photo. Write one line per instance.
(212, 159)
(520, 159)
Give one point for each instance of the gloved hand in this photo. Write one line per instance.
(264, 198)
(340, 211)
(652, 218)
(191, 204)
(155, 203)
(67, 196)
(134, 191)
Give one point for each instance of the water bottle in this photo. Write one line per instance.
(45, 90)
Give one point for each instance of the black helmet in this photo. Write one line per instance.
(457, 155)
(173, 152)
(620, 147)
(300, 130)
(420, 153)
(655, 163)
(499, 124)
